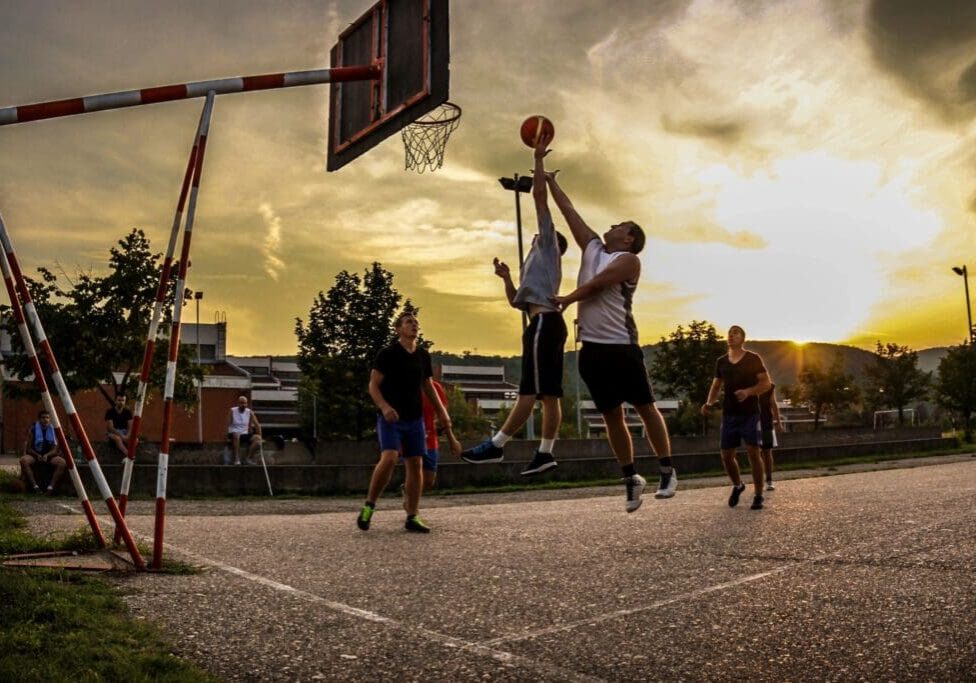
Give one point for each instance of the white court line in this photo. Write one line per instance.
(486, 648)
(432, 636)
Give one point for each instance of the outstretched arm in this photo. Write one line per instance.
(582, 233)
(547, 232)
(625, 268)
(502, 271)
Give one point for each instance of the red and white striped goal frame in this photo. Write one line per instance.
(183, 91)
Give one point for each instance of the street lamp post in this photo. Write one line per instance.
(519, 184)
(197, 295)
(971, 333)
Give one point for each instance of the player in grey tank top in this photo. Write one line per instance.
(542, 341)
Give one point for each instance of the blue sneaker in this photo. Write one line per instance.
(485, 451)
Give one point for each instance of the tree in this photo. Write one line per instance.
(894, 379)
(346, 328)
(827, 389)
(466, 420)
(684, 363)
(956, 385)
(97, 326)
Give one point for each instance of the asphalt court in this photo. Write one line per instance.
(857, 576)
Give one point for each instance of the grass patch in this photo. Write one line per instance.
(62, 626)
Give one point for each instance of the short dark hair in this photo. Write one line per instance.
(42, 413)
(738, 327)
(639, 239)
(561, 241)
(404, 314)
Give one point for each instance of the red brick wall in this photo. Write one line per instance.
(18, 415)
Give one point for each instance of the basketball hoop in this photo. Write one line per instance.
(425, 139)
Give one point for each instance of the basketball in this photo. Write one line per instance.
(533, 128)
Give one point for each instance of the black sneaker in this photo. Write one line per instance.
(757, 502)
(736, 492)
(540, 463)
(365, 515)
(415, 524)
(485, 451)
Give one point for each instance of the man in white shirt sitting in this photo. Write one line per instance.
(243, 428)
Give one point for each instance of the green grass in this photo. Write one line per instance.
(61, 626)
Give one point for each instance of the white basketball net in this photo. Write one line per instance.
(425, 140)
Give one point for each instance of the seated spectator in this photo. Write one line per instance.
(243, 428)
(118, 423)
(42, 447)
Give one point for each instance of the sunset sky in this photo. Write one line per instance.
(803, 168)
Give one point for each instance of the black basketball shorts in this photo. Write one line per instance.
(542, 355)
(615, 374)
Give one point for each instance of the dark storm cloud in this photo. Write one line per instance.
(923, 45)
(726, 132)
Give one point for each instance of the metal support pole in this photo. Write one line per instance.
(174, 341)
(579, 407)
(197, 296)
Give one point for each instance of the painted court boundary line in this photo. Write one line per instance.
(432, 636)
(487, 648)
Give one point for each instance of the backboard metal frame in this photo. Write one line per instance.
(409, 41)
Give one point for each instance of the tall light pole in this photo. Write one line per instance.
(519, 184)
(971, 333)
(197, 295)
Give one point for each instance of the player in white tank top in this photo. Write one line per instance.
(614, 369)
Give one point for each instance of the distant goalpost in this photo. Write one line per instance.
(889, 418)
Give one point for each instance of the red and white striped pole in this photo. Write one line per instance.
(41, 383)
(157, 314)
(168, 93)
(65, 396)
(174, 336)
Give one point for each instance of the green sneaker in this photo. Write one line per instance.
(415, 524)
(365, 515)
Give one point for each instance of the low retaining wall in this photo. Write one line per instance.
(332, 479)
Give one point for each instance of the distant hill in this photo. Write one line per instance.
(784, 359)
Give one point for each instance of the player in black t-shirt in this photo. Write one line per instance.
(118, 422)
(400, 372)
(744, 377)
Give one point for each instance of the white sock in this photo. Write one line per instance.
(545, 445)
(500, 439)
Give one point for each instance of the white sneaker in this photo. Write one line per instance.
(770, 486)
(635, 487)
(668, 485)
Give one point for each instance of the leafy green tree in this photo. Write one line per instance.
(684, 365)
(956, 384)
(829, 388)
(346, 328)
(97, 326)
(466, 420)
(894, 380)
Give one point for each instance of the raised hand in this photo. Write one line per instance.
(501, 269)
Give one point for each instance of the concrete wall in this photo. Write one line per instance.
(331, 479)
(20, 414)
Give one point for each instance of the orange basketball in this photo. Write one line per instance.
(533, 128)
